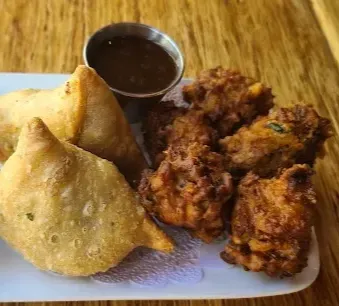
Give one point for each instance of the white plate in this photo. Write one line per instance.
(20, 281)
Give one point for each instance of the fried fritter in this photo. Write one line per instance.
(192, 127)
(156, 127)
(228, 98)
(279, 140)
(189, 189)
(271, 223)
(168, 125)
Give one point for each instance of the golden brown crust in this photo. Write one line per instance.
(63, 108)
(105, 130)
(167, 125)
(156, 126)
(189, 189)
(192, 127)
(82, 111)
(67, 210)
(228, 98)
(271, 222)
(284, 137)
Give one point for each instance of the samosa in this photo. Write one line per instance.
(67, 210)
(82, 111)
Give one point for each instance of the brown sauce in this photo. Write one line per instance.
(133, 64)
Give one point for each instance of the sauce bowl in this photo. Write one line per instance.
(136, 104)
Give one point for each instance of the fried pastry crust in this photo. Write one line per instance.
(271, 223)
(82, 111)
(68, 211)
(189, 189)
(284, 137)
(228, 98)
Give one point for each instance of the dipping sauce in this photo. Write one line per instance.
(133, 64)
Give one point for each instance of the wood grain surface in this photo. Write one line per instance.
(326, 12)
(278, 41)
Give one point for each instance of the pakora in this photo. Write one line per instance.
(285, 137)
(192, 127)
(168, 125)
(189, 189)
(156, 126)
(271, 222)
(229, 99)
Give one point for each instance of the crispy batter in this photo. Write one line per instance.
(167, 125)
(156, 125)
(189, 189)
(271, 223)
(228, 98)
(279, 140)
(192, 127)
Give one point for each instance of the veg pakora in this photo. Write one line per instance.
(284, 137)
(229, 99)
(189, 189)
(192, 127)
(271, 223)
(156, 126)
(168, 125)
(67, 210)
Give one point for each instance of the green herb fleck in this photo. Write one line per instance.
(30, 216)
(276, 127)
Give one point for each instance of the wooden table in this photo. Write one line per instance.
(286, 43)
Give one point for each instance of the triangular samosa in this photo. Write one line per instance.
(82, 111)
(67, 210)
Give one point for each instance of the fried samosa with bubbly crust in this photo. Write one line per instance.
(82, 111)
(272, 222)
(67, 210)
